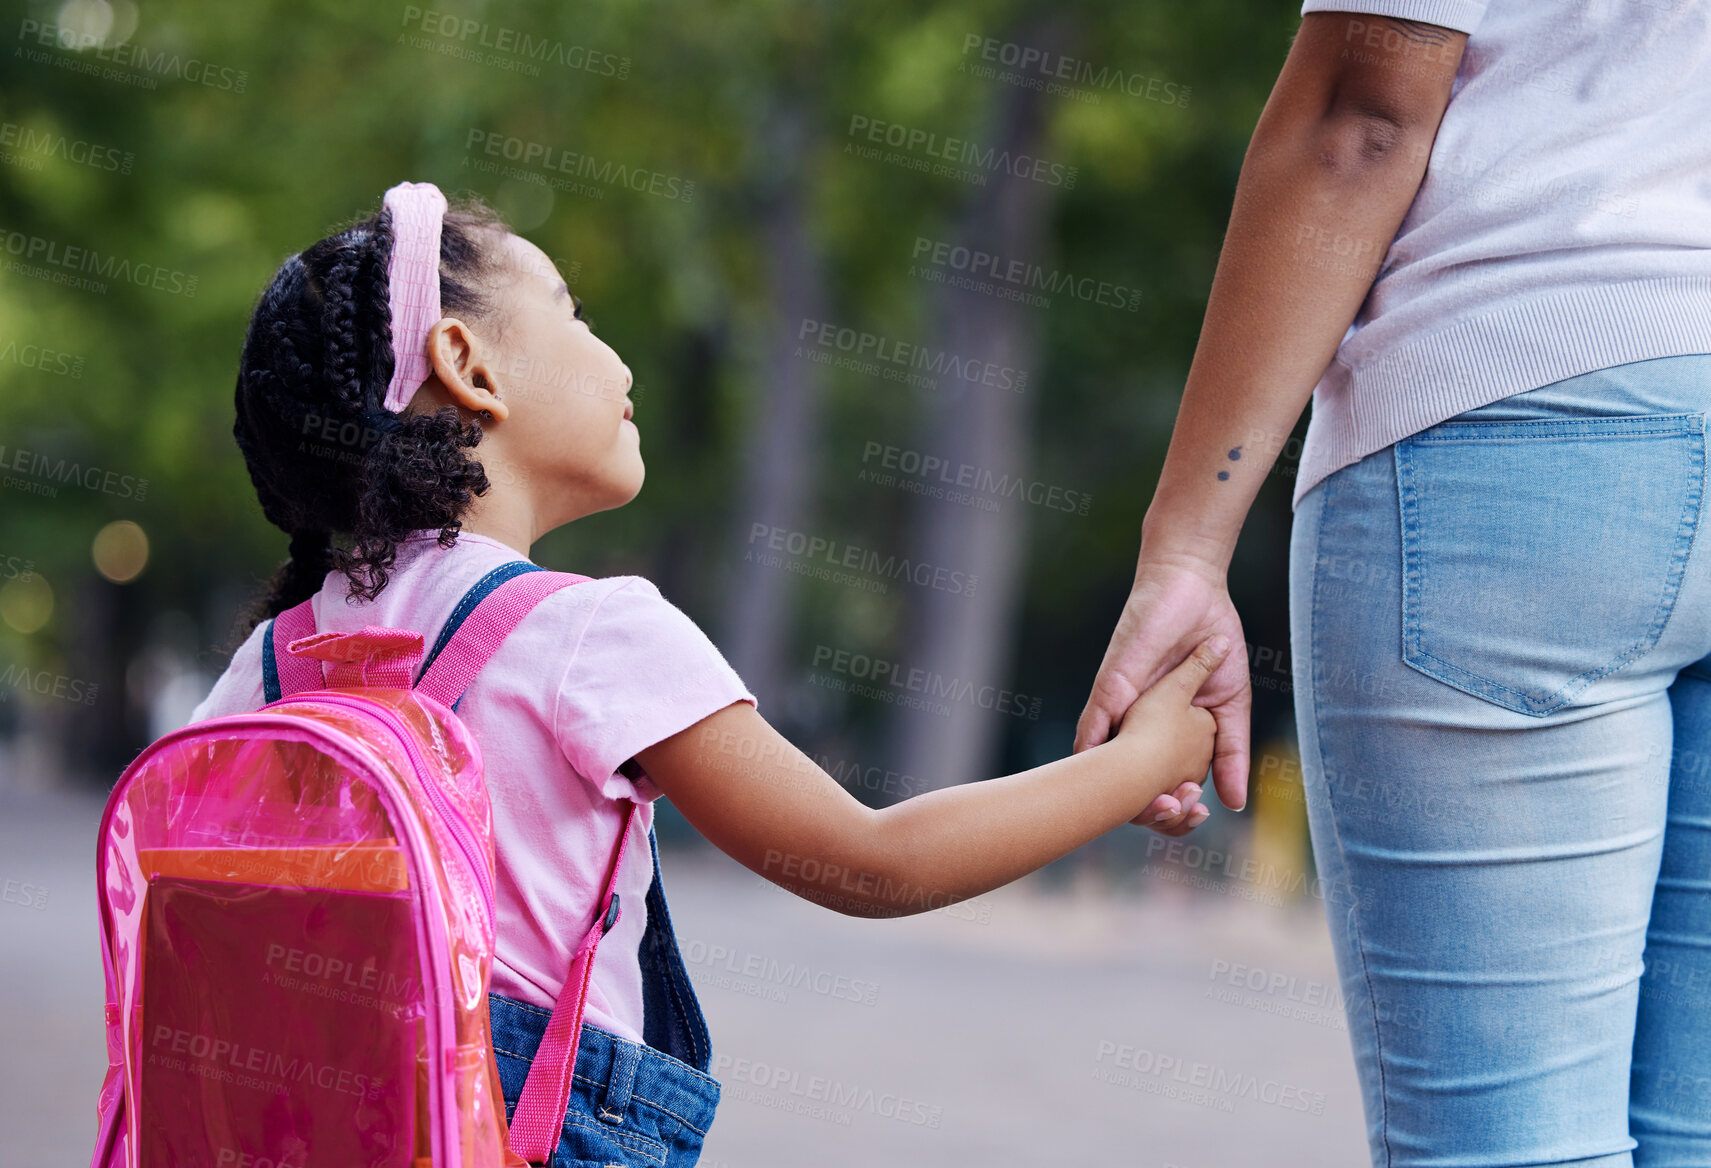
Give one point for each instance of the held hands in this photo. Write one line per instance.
(1172, 734)
(1173, 607)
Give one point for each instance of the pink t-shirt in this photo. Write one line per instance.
(598, 672)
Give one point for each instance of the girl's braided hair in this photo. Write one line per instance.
(326, 458)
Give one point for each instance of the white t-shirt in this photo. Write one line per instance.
(597, 672)
(1564, 224)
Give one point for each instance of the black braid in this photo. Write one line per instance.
(326, 458)
(301, 577)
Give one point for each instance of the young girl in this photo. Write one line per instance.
(375, 364)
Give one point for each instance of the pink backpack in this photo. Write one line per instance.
(297, 919)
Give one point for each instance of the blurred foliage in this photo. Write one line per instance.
(339, 101)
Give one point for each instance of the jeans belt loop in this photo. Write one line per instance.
(615, 1100)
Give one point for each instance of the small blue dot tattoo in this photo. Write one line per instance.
(1235, 456)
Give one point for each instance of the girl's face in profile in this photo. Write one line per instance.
(568, 433)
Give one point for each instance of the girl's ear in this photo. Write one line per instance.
(460, 364)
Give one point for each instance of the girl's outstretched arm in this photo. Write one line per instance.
(767, 805)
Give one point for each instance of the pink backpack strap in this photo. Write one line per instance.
(539, 1116)
(480, 624)
(285, 673)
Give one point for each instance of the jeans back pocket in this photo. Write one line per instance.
(1540, 556)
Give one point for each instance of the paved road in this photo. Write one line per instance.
(1035, 1028)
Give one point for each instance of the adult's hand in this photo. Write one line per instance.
(1175, 604)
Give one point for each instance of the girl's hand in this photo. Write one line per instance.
(1172, 736)
(1175, 604)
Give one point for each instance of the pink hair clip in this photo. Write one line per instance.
(412, 285)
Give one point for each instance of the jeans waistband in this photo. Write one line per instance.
(1661, 385)
(614, 1070)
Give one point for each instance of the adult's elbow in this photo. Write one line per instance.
(1370, 93)
(1356, 141)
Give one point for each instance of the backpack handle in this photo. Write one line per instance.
(283, 674)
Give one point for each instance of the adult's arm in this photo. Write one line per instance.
(1334, 163)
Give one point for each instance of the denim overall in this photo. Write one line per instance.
(630, 1105)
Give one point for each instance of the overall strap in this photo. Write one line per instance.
(539, 1116)
(478, 592)
(282, 674)
(482, 620)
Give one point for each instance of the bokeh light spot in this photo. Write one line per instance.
(121, 551)
(26, 603)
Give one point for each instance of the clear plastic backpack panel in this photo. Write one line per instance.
(453, 763)
(449, 748)
(264, 933)
(454, 758)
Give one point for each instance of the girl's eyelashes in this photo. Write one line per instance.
(577, 314)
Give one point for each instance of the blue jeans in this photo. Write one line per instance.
(632, 1105)
(1500, 633)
